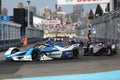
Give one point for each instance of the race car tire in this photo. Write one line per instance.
(13, 52)
(75, 53)
(35, 55)
(109, 53)
(114, 51)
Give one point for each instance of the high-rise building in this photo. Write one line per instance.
(32, 9)
(41, 12)
(47, 13)
(20, 16)
(0, 6)
(4, 12)
(74, 18)
(20, 5)
(78, 10)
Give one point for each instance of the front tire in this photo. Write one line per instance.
(115, 51)
(109, 53)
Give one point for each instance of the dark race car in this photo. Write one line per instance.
(100, 49)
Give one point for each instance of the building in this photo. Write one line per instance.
(78, 10)
(20, 17)
(0, 6)
(32, 9)
(41, 12)
(20, 5)
(4, 12)
(63, 17)
(73, 17)
(47, 13)
(38, 21)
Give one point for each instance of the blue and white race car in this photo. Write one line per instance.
(42, 52)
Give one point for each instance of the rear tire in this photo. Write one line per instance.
(75, 53)
(35, 55)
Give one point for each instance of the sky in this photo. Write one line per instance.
(40, 4)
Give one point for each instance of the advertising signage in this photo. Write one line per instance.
(69, 2)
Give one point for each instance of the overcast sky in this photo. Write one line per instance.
(10, 4)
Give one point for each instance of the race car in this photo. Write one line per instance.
(42, 52)
(100, 49)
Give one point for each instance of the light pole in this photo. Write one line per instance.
(28, 24)
(89, 32)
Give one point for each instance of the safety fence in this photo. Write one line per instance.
(10, 35)
(34, 34)
(106, 28)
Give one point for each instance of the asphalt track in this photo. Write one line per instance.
(85, 68)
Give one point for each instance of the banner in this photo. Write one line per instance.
(68, 2)
(52, 22)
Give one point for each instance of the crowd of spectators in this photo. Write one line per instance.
(60, 28)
